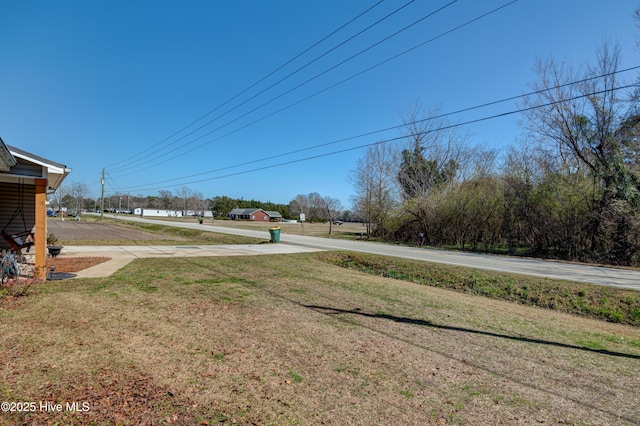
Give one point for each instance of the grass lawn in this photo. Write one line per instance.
(295, 339)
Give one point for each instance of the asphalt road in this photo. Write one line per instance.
(550, 269)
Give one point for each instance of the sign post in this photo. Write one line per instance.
(302, 218)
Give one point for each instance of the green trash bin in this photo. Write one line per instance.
(275, 234)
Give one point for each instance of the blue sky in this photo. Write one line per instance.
(114, 84)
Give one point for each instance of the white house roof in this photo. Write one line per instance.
(11, 157)
(243, 212)
(247, 212)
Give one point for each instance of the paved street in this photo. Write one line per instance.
(567, 271)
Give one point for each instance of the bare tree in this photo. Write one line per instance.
(165, 198)
(374, 182)
(332, 207)
(314, 206)
(435, 152)
(585, 121)
(58, 196)
(184, 194)
(197, 202)
(588, 121)
(79, 191)
(484, 162)
(299, 205)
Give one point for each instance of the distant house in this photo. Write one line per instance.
(256, 215)
(275, 216)
(151, 212)
(157, 213)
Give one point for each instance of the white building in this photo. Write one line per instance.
(157, 213)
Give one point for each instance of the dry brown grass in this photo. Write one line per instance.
(92, 231)
(292, 340)
(346, 230)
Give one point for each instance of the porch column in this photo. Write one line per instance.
(40, 240)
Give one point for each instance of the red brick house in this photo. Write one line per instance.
(256, 215)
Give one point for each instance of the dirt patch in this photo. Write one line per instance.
(74, 264)
(108, 399)
(71, 230)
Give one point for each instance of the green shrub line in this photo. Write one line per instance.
(592, 301)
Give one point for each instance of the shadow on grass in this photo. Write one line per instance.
(335, 311)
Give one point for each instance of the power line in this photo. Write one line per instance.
(144, 161)
(323, 90)
(272, 73)
(517, 111)
(396, 127)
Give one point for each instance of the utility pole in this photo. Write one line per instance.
(102, 198)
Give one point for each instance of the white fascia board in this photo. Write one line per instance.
(51, 168)
(55, 173)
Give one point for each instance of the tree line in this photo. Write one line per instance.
(316, 208)
(569, 188)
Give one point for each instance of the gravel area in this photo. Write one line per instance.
(72, 230)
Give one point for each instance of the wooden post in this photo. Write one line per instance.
(40, 240)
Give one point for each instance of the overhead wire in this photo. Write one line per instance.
(396, 127)
(517, 111)
(398, 138)
(299, 85)
(276, 70)
(256, 82)
(458, 27)
(111, 182)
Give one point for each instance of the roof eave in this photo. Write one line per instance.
(56, 172)
(7, 160)
(55, 179)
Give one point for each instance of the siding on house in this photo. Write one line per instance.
(18, 200)
(157, 212)
(25, 180)
(256, 215)
(150, 212)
